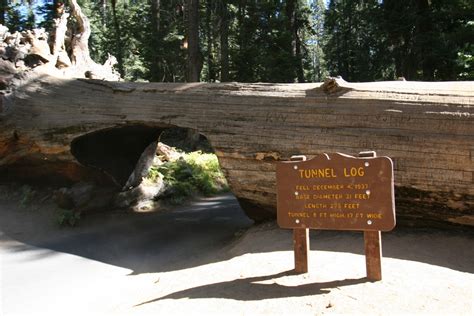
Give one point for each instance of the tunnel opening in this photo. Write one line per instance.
(149, 163)
(114, 151)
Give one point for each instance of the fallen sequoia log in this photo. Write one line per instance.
(86, 129)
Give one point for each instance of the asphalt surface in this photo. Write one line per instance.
(203, 259)
(49, 270)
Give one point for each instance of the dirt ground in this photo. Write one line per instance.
(425, 271)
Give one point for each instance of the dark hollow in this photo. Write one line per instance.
(115, 151)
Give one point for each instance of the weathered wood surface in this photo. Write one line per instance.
(301, 249)
(427, 128)
(373, 255)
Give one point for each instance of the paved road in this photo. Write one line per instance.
(45, 271)
(178, 263)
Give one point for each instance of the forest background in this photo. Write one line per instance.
(270, 40)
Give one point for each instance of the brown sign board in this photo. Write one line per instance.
(336, 191)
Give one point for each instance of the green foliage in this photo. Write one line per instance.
(354, 40)
(120, 32)
(47, 14)
(193, 173)
(415, 39)
(316, 71)
(15, 20)
(154, 174)
(264, 41)
(206, 173)
(465, 53)
(275, 41)
(68, 217)
(466, 64)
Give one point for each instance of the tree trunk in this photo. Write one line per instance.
(210, 60)
(290, 27)
(78, 129)
(224, 41)
(293, 28)
(118, 41)
(194, 60)
(80, 56)
(78, 63)
(299, 57)
(58, 47)
(103, 8)
(425, 40)
(156, 39)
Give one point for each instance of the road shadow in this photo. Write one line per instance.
(207, 231)
(142, 242)
(249, 289)
(440, 247)
(448, 248)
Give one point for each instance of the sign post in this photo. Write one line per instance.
(301, 240)
(301, 247)
(373, 243)
(373, 255)
(340, 192)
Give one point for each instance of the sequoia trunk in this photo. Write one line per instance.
(427, 128)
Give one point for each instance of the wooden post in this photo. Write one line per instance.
(301, 247)
(372, 244)
(373, 255)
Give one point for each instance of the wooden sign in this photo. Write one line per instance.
(336, 191)
(340, 192)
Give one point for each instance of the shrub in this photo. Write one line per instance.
(68, 217)
(193, 173)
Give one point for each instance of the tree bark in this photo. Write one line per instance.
(290, 27)
(80, 56)
(194, 60)
(293, 28)
(210, 60)
(425, 40)
(66, 128)
(299, 58)
(118, 41)
(156, 38)
(60, 56)
(224, 41)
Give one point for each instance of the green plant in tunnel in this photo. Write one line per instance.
(193, 173)
(207, 175)
(68, 217)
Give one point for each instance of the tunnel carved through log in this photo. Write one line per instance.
(427, 128)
